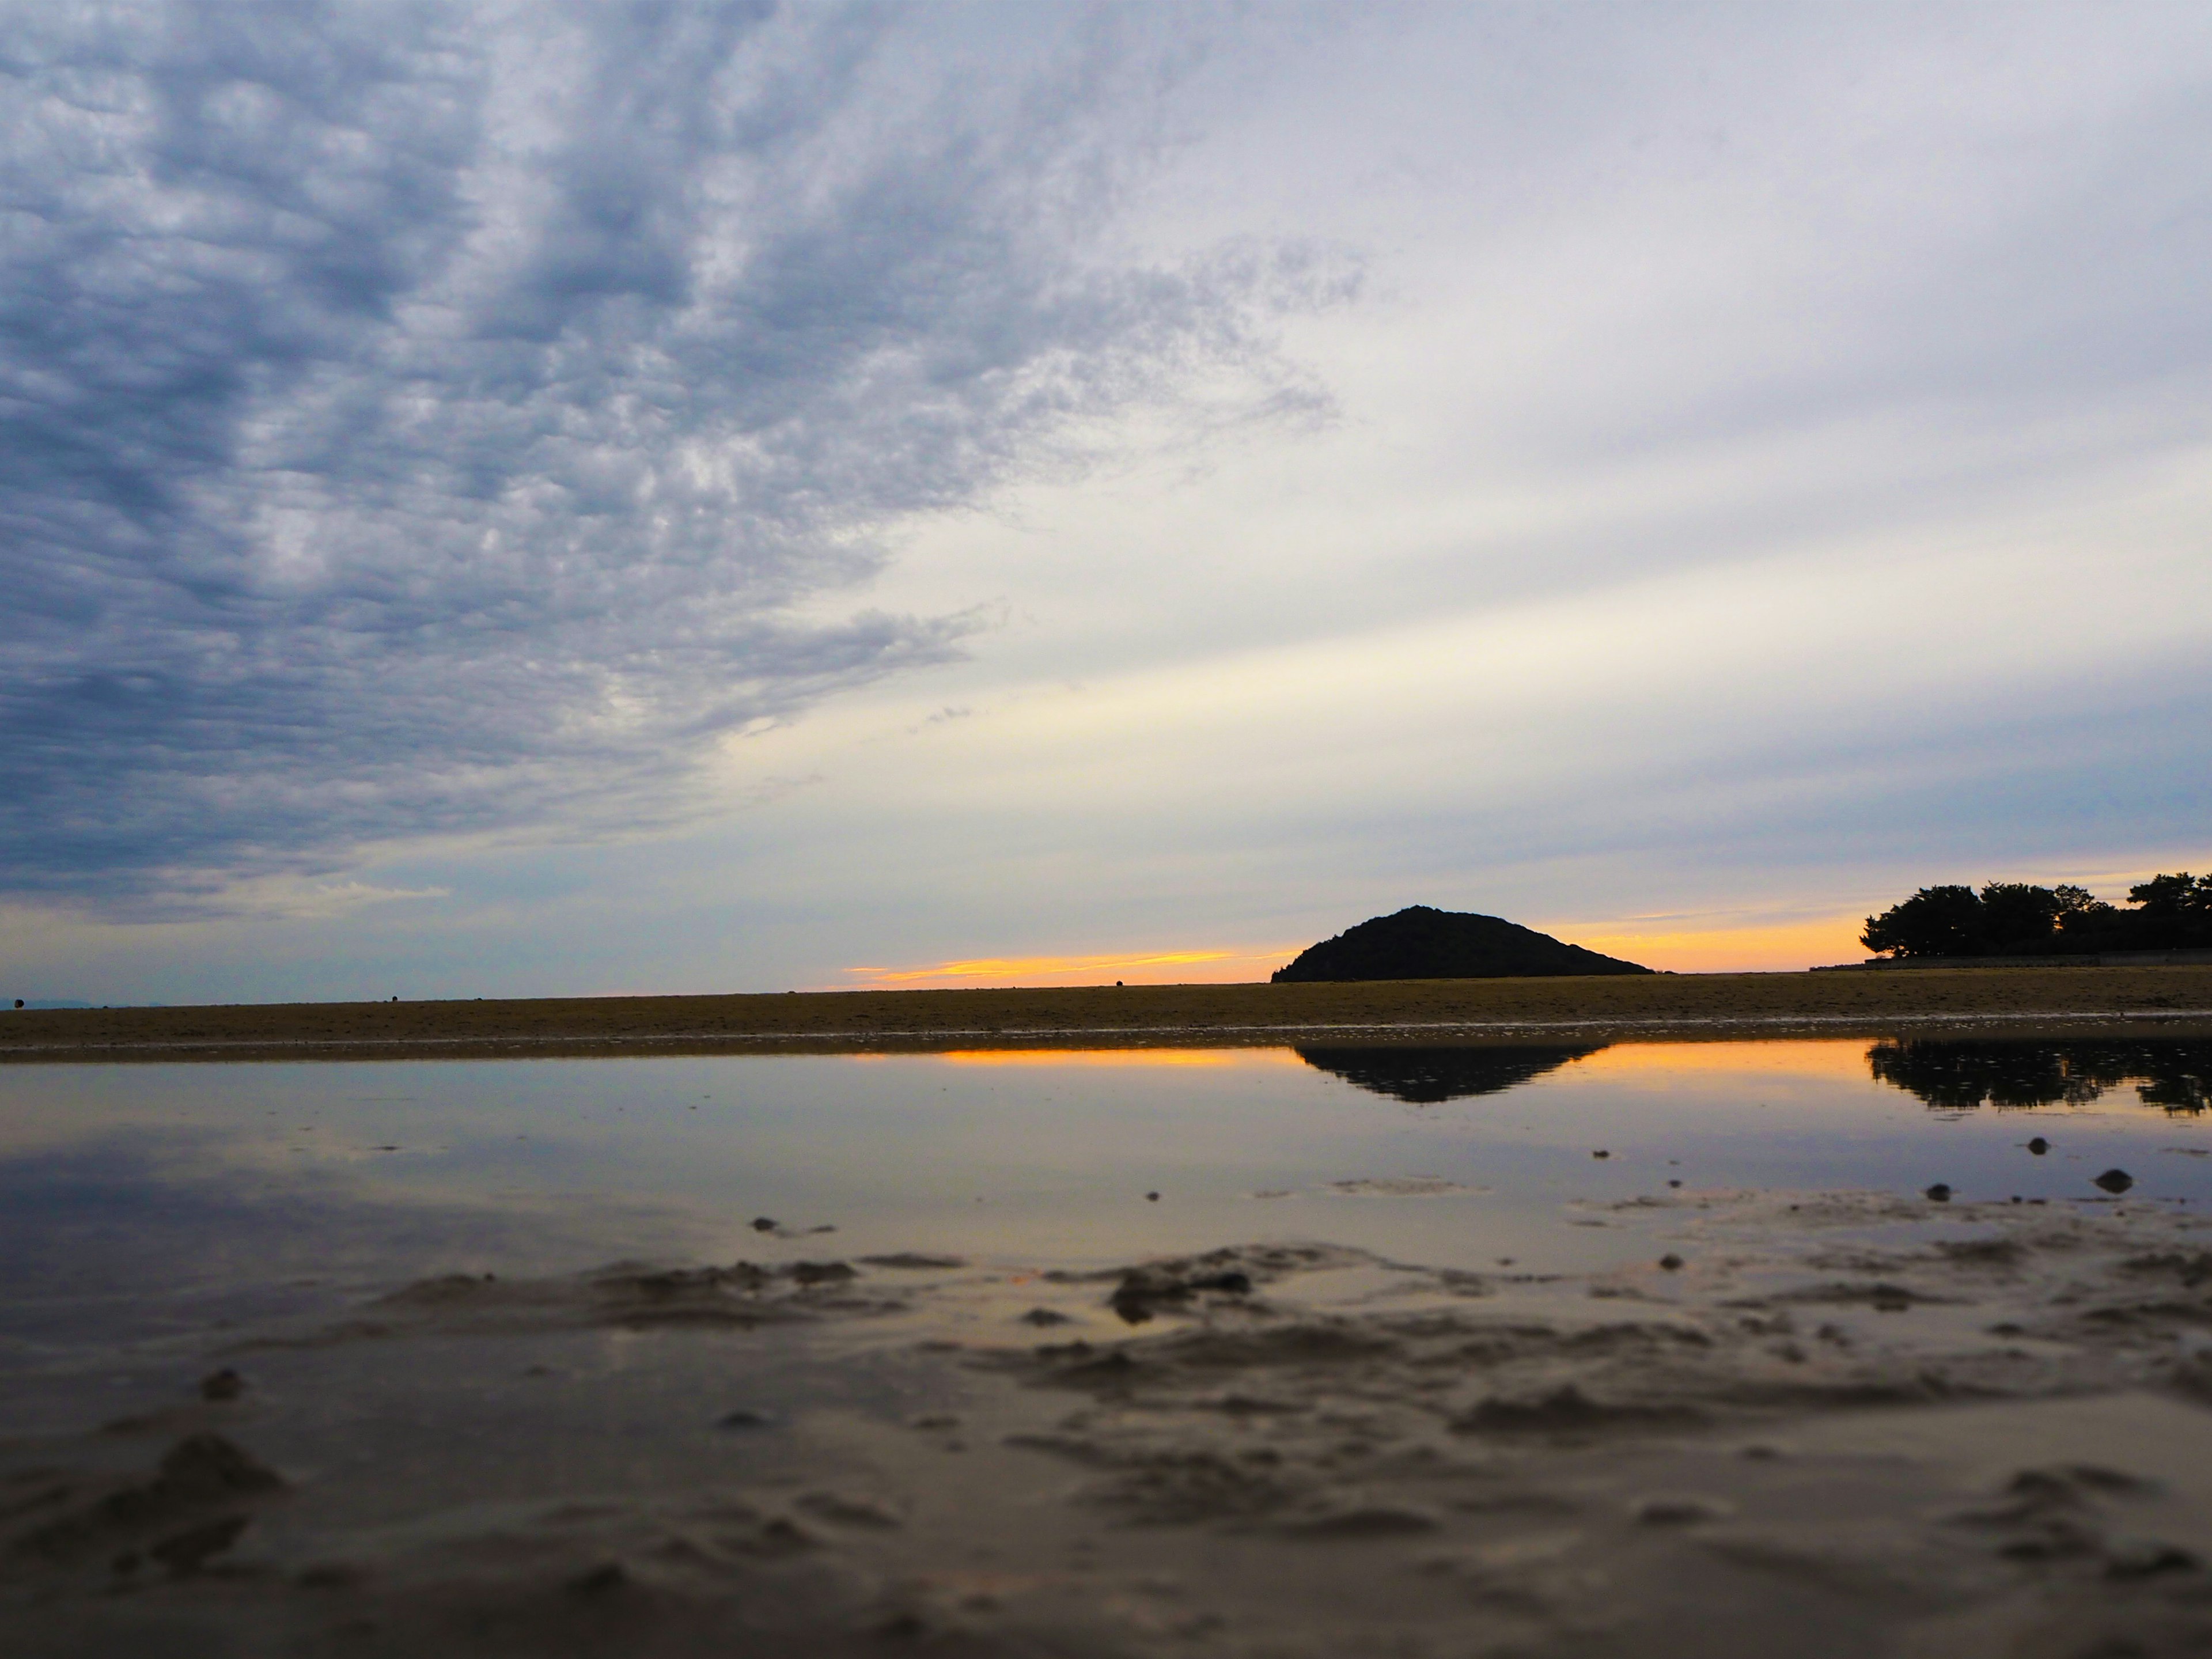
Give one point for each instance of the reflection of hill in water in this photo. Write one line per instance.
(1426, 1076)
(2177, 1076)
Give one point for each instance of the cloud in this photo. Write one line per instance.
(429, 419)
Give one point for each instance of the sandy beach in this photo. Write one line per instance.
(2013, 1001)
(1835, 1424)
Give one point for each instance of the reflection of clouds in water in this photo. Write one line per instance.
(1427, 1076)
(167, 1214)
(2176, 1076)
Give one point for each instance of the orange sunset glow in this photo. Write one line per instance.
(1218, 967)
(1772, 948)
(1775, 947)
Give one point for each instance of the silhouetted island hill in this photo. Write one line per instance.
(1422, 943)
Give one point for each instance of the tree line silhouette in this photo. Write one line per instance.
(2016, 918)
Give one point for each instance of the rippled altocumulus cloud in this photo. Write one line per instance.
(424, 419)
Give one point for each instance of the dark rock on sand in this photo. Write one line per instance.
(2115, 1180)
(1941, 1193)
(1424, 943)
(1144, 1291)
(2038, 1146)
(1566, 1410)
(1684, 1512)
(915, 1260)
(1363, 1521)
(225, 1384)
(601, 1580)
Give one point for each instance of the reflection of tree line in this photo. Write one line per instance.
(2175, 1076)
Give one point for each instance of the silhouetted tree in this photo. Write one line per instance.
(2083, 918)
(1935, 921)
(2177, 910)
(2017, 919)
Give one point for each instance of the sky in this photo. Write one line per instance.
(536, 499)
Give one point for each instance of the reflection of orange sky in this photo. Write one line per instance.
(1223, 967)
(1121, 1057)
(1829, 1057)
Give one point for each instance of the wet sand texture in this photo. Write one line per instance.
(1837, 1424)
(2176, 1000)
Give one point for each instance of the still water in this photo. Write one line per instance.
(304, 1350)
(137, 1200)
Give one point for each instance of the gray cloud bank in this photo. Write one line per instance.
(425, 419)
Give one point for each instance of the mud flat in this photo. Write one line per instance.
(1837, 1422)
(2058, 1001)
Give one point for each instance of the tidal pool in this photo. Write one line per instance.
(659, 1338)
(133, 1198)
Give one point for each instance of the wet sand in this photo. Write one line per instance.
(2016, 1001)
(1834, 1424)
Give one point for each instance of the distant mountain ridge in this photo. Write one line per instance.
(1421, 942)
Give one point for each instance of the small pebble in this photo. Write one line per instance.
(762, 1224)
(1600, 1153)
(1679, 1511)
(1674, 1183)
(225, 1384)
(1152, 1198)
(1671, 1262)
(2038, 1146)
(1940, 1193)
(2116, 1180)
(600, 1580)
